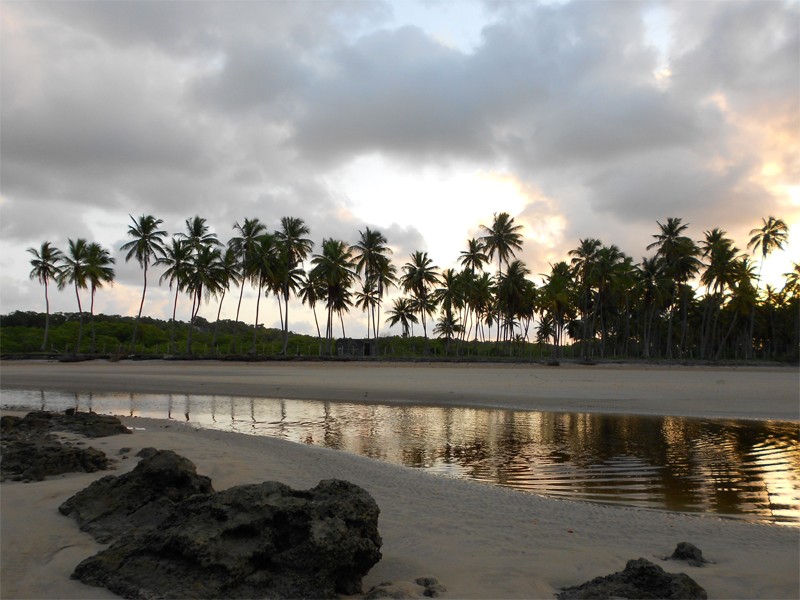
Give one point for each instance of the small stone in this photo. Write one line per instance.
(690, 553)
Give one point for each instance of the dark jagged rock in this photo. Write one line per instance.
(640, 579)
(88, 424)
(690, 553)
(35, 459)
(251, 541)
(142, 499)
(30, 451)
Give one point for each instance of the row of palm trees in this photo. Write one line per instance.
(690, 298)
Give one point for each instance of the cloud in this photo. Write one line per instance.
(260, 109)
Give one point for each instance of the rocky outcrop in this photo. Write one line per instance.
(31, 451)
(252, 541)
(137, 501)
(87, 424)
(640, 579)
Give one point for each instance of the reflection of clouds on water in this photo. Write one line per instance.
(743, 468)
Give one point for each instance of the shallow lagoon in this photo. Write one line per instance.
(742, 469)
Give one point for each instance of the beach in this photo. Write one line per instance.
(478, 540)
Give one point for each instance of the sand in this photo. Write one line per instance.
(480, 541)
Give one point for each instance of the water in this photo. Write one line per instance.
(743, 469)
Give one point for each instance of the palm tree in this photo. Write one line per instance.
(177, 258)
(679, 254)
(295, 249)
(511, 294)
(583, 258)
(311, 291)
(263, 268)
(46, 263)
(419, 274)
(205, 279)
(245, 246)
(335, 268)
(372, 259)
(718, 275)
(147, 243)
(402, 312)
(771, 235)
(229, 273)
(502, 238)
(198, 235)
(98, 272)
(74, 271)
(471, 260)
(556, 300)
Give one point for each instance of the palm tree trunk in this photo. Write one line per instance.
(46, 318)
(172, 326)
(254, 348)
(216, 324)
(91, 321)
(80, 320)
(238, 308)
(141, 307)
(286, 321)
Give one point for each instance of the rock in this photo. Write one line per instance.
(30, 451)
(421, 587)
(36, 458)
(142, 499)
(88, 424)
(640, 579)
(688, 552)
(251, 541)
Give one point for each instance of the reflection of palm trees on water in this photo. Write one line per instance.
(727, 467)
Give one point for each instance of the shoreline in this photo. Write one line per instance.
(478, 540)
(760, 393)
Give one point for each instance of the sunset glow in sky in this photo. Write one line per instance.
(418, 118)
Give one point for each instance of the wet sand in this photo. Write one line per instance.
(480, 541)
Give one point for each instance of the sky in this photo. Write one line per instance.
(419, 118)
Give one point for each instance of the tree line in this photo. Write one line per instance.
(699, 299)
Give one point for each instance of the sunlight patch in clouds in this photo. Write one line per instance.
(446, 204)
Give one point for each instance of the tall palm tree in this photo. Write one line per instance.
(502, 238)
(98, 272)
(335, 268)
(245, 246)
(719, 274)
(372, 259)
(205, 279)
(198, 235)
(263, 269)
(583, 259)
(511, 293)
(402, 312)
(419, 275)
(679, 254)
(177, 258)
(147, 244)
(74, 272)
(471, 260)
(46, 263)
(556, 300)
(295, 249)
(773, 234)
(229, 273)
(311, 291)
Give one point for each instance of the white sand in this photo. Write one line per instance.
(478, 540)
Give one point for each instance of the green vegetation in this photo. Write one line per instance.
(689, 300)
